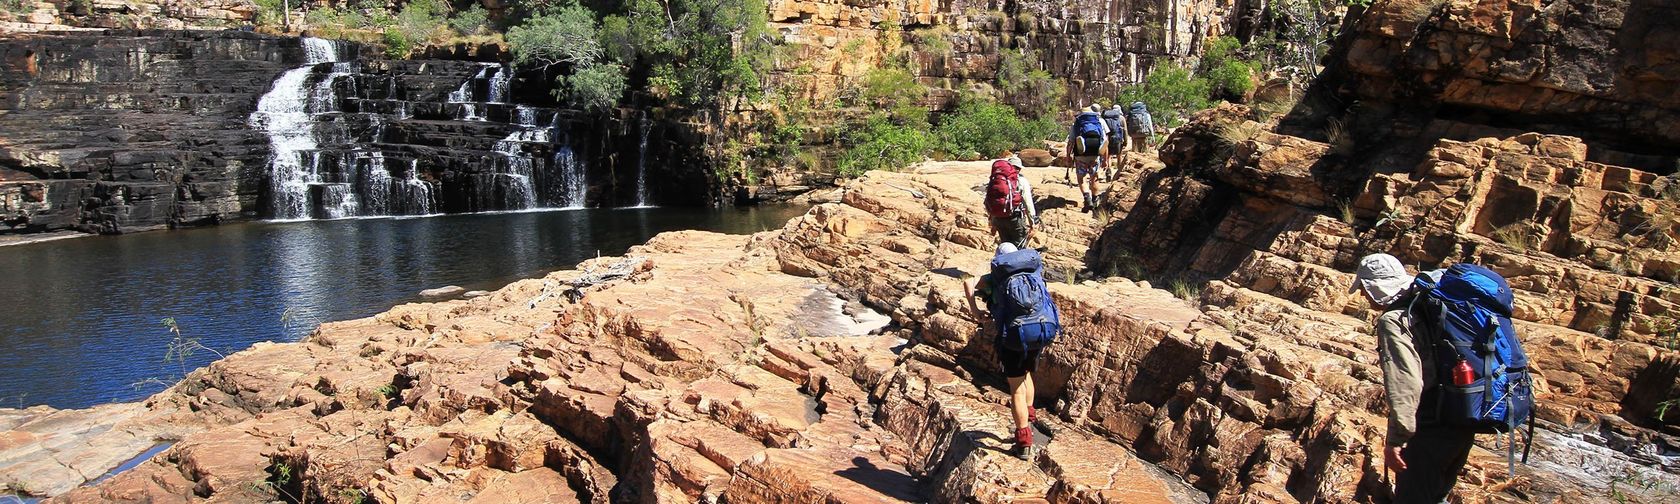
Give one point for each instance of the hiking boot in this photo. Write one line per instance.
(1023, 444)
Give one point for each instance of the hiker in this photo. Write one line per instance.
(1140, 126)
(1444, 382)
(1009, 203)
(1026, 320)
(1115, 119)
(1087, 142)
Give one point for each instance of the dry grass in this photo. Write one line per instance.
(1516, 235)
(1276, 108)
(1344, 211)
(1184, 289)
(1240, 132)
(1339, 136)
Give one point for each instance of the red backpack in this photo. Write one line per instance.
(1003, 194)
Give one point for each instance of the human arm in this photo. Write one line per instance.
(1402, 379)
(969, 293)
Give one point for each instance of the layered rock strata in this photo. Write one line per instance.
(710, 367)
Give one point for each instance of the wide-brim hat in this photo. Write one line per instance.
(1383, 278)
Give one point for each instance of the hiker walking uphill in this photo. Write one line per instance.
(1140, 126)
(1087, 143)
(1115, 119)
(1009, 203)
(1452, 367)
(1027, 321)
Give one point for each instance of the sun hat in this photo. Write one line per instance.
(1095, 108)
(1382, 276)
(1005, 248)
(1015, 159)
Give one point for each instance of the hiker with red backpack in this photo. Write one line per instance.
(1009, 202)
(1452, 367)
(1026, 320)
(1088, 145)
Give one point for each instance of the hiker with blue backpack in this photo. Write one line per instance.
(1088, 145)
(1452, 367)
(1026, 320)
(1115, 119)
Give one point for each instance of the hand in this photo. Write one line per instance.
(1392, 459)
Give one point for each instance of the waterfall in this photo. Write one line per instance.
(375, 186)
(574, 191)
(520, 191)
(641, 163)
(499, 84)
(284, 114)
(463, 96)
(414, 195)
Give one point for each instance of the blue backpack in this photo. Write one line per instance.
(1139, 121)
(1465, 317)
(1021, 305)
(1090, 139)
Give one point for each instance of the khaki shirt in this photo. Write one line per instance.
(1406, 373)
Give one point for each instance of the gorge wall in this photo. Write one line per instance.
(129, 130)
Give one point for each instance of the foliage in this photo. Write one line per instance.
(19, 7)
(1229, 75)
(565, 35)
(881, 143)
(595, 87)
(1171, 93)
(471, 21)
(1035, 92)
(985, 127)
(895, 91)
(934, 40)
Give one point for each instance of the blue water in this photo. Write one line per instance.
(80, 318)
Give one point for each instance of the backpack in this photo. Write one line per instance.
(1021, 304)
(1138, 121)
(1003, 192)
(1090, 139)
(1115, 125)
(1465, 320)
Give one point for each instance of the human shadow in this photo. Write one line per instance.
(891, 483)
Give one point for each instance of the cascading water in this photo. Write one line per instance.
(573, 189)
(284, 112)
(641, 163)
(414, 196)
(374, 185)
(499, 84)
(463, 96)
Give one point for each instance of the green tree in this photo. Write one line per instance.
(1033, 90)
(1171, 93)
(1228, 73)
(595, 87)
(985, 127)
(895, 91)
(881, 144)
(564, 35)
(471, 21)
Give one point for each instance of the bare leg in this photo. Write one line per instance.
(1020, 398)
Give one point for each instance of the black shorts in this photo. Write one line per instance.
(1015, 362)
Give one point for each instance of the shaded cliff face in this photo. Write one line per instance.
(1093, 46)
(132, 130)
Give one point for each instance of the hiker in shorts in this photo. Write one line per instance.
(1087, 143)
(1022, 333)
(1426, 459)
(1009, 202)
(1115, 119)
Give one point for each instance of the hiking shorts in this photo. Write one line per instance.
(1013, 229)
(1086, 166)
(1016, 363)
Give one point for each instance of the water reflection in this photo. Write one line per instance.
(80, 318)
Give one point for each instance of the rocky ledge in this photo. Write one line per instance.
(706, 367)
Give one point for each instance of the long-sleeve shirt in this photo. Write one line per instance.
(1406, 373)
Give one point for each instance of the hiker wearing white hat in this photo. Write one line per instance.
(1088, 147)
(1425, 458)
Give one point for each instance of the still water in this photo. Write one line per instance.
(80, 318)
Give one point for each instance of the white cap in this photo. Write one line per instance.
(1005, 248)
(1015, 159)
(1383, 278)
(1096, 108)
